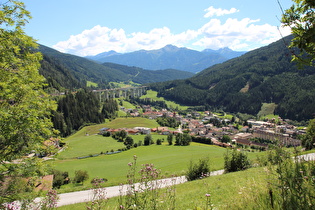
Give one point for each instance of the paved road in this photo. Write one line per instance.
(84, 196)
(307, 157)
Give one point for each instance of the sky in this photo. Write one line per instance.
(90, 27)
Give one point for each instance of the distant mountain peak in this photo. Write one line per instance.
(170, 57)
(170, 47)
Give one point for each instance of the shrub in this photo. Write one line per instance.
(292, 185)
(106, 134)
(80, 176)
(149, 194)
(170, 139)
(198, 170)
(235, 161)
(148, 140)
(158, 142)
(128, 141)
(60, 178)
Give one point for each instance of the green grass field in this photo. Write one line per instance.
(170, 104)
(91, 84)
(172, 160)
(86, 142)
(267, 111)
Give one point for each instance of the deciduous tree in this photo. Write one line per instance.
(25, 108)
(300, 17)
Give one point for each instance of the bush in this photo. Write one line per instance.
(198, 170)
(170, 139)
(148, 140)
(60, 178)
(236, 161)
(158, 142)
(292, 185)
(80, 176)
(106, 134)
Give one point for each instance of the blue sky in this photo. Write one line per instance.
(89, 27)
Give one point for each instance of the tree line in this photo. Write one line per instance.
(81, 108)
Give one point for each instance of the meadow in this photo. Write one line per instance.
(87, 142)
(170, 104)
(171, 160)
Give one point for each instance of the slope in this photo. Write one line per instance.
(142, 76)
(70, 72)
(242, 84)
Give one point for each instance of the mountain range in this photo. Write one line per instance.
(239, 85)
(244, 84)
(65, 71)
(169, 57)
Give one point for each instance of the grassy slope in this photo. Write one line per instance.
(226, 192)
(267, 110)
(153, 95)
(80, 144)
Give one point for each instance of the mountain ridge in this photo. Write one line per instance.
(169, 57)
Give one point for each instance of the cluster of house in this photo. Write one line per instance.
(141, 130)
(194, 122)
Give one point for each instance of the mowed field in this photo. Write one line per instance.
(87, 142)
(170, 104)
(171, 160)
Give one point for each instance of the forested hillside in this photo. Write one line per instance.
(265, 75)
(82, 108)
(65, 71)
(142, 76)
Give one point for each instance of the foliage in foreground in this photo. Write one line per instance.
(148, 194)
(25, 108)
(300, 18)
(235, 161)
(290, 185)
(198, 170)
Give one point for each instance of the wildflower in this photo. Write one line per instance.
(207, 195)
(135, 157)
(130, 164)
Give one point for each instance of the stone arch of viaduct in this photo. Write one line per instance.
(131, 92)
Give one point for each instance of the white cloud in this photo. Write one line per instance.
(245, 34)
(237, 34)
(101, 39)
(211, 11)
(93, 41)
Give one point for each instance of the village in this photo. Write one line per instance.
(206, 125)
